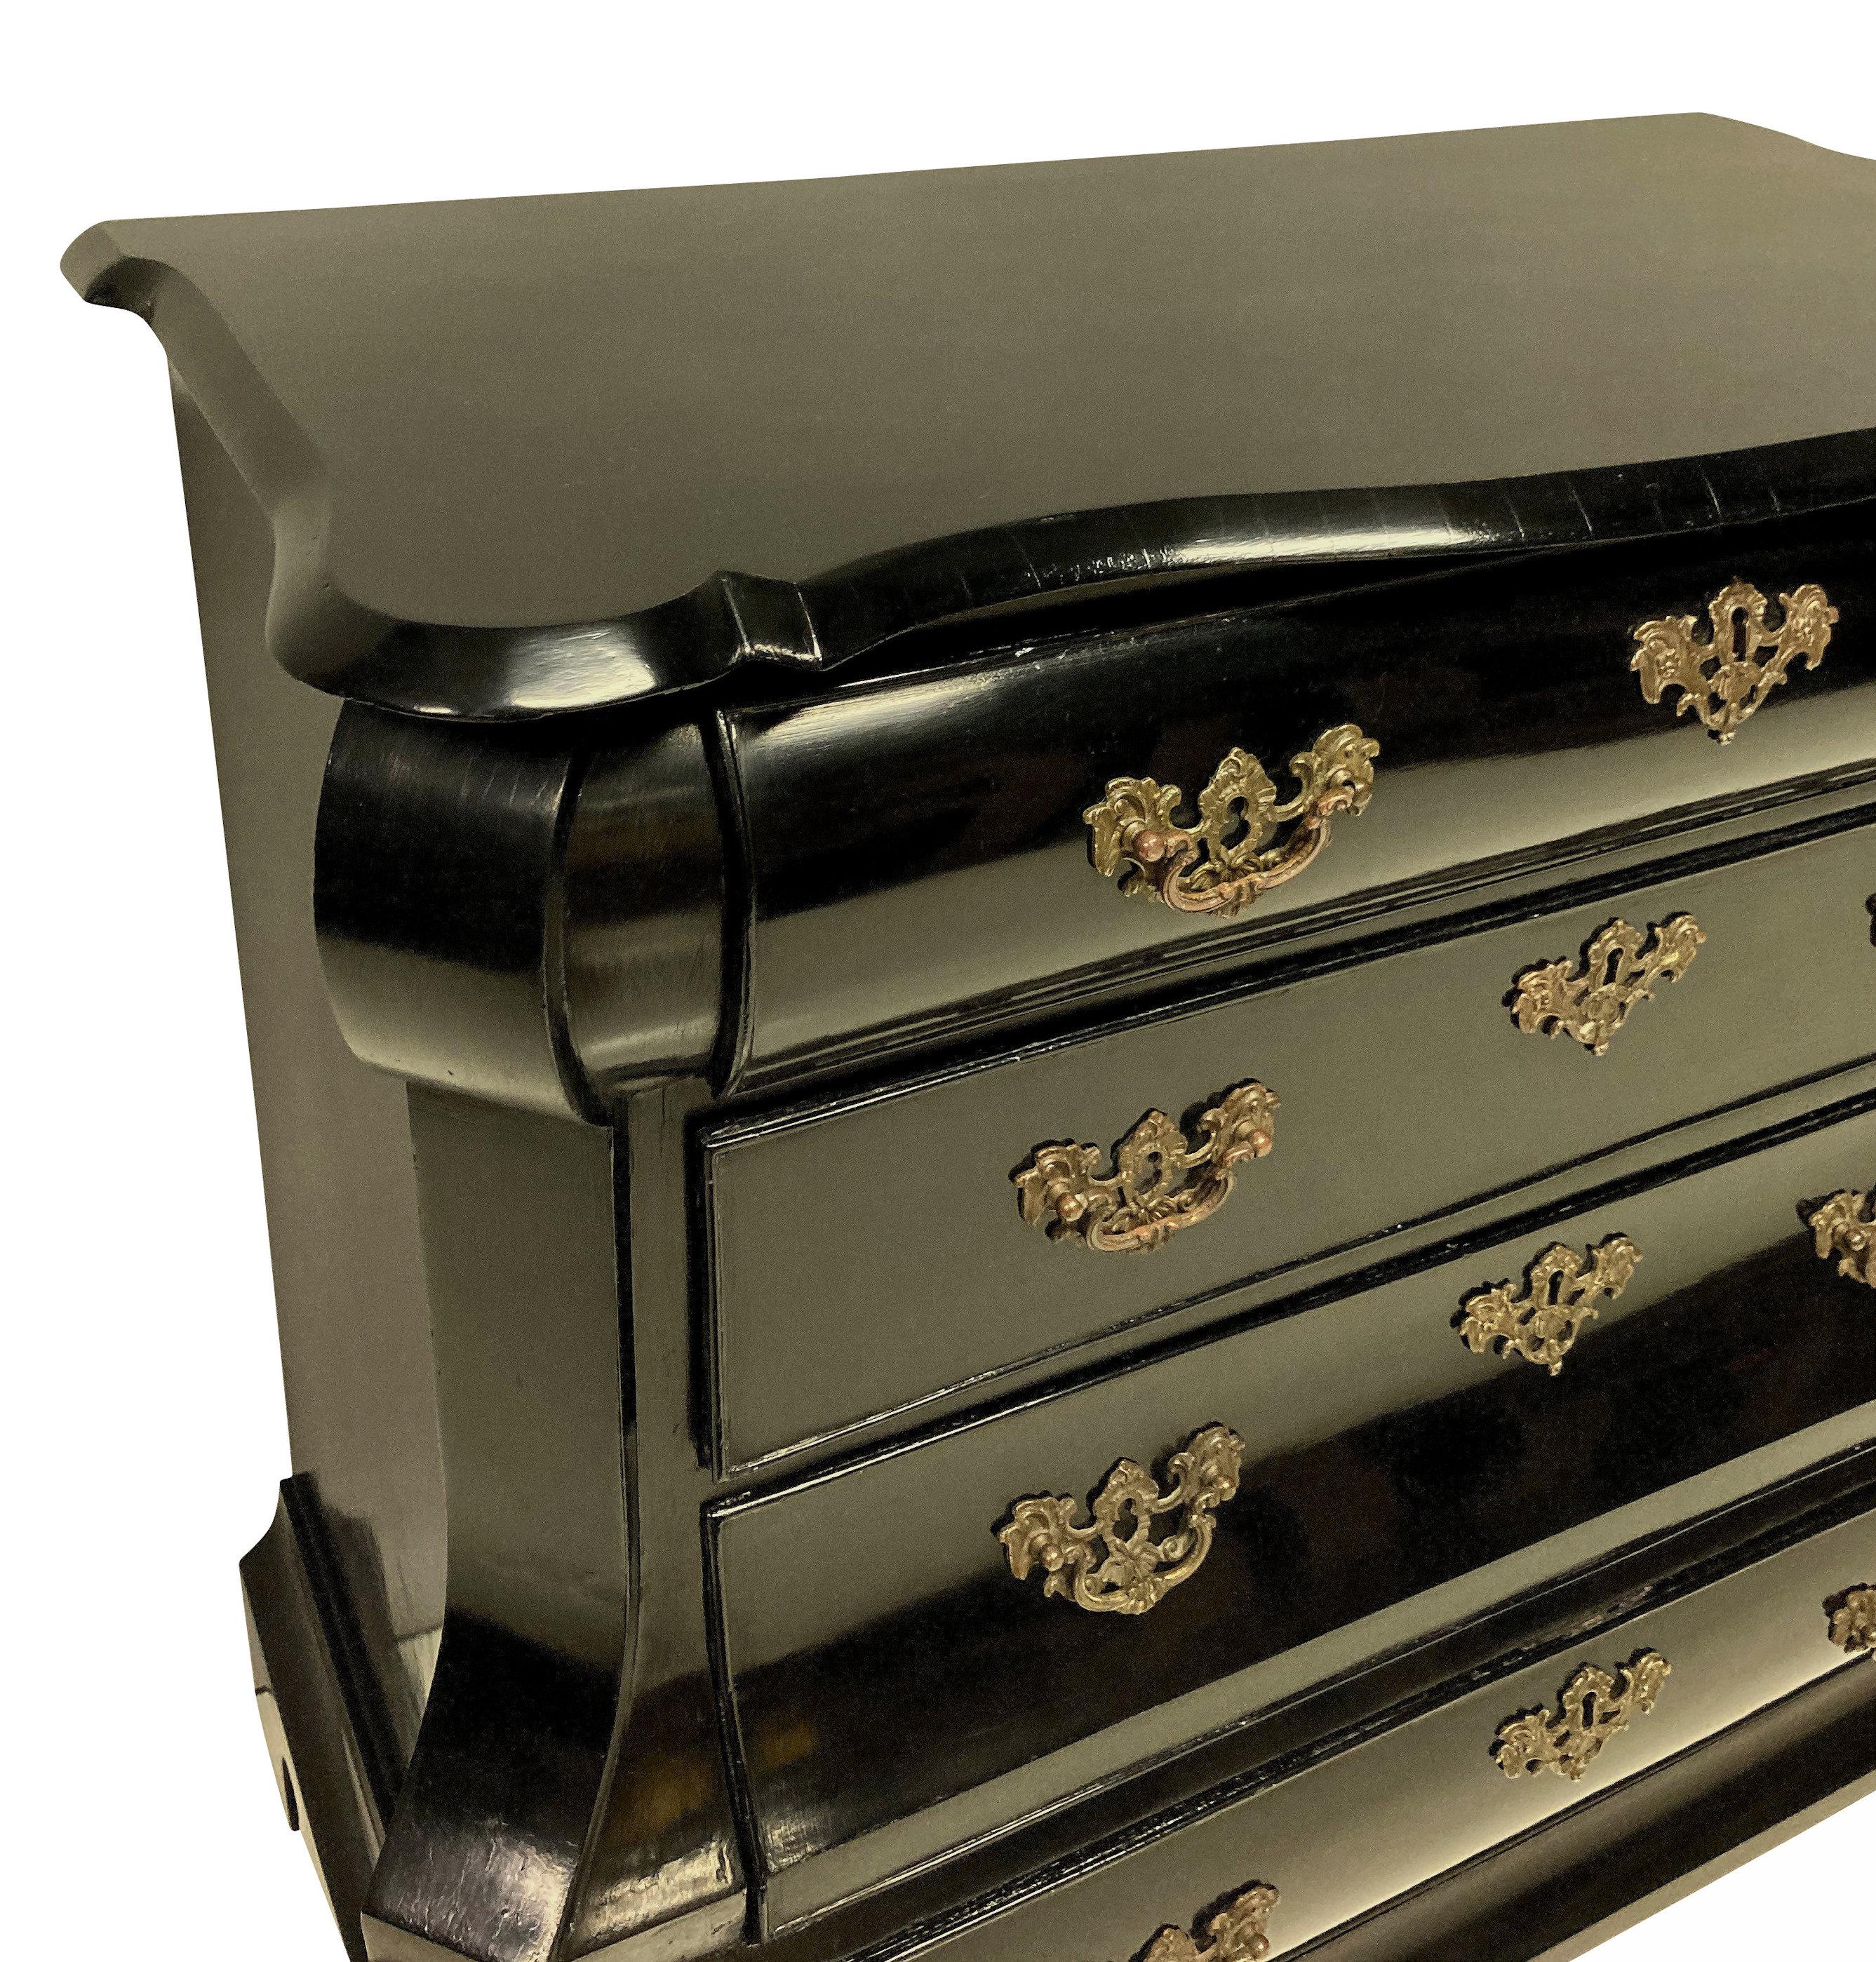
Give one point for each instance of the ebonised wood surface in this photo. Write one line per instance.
(1354, 1831)
(918, 859)
(646, 1021)
(524, 455)
(1407, 1091)
(925, 1674)
(807, 882)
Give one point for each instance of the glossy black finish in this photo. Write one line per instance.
(1736, 1638)
(514, 915)
(1414, 1482)
(323, 1712)
(928, 823)
(780, 423)
(492, 1816)
(335, 1144)
(435, 880)
(1373, 1058)
(910, 859)
(1602, 1868)
(639, 1079)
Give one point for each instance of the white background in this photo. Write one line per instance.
(143, 1430)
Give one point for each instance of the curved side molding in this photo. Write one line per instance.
(542, 1667)
(642, 914)
(435, 883)
(518, 920)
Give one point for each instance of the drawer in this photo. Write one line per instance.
(917, 848)
(1430, 1793)
(898, 1691)
(1407, 1089)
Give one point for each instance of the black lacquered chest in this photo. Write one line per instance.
(1063, 1008)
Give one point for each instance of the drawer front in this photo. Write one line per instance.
(1406, 1089)
(919, 850)
(1394, 1484)
(1431, 1793)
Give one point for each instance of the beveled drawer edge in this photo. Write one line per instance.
(1654, 1565)
(1800, 1708)
(710, 1138)
(1095, 1000)
(748, 1120)
(1630, 1609)
(1415, 1246)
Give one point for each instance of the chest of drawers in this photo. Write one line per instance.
(1063, 1009)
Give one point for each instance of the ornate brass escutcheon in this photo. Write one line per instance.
(1724, 678)
(1236, 1934)
(1143, 1203)
(1620, 968)
(1593, 1708)
(1853, 1620)
(1110, 1567)
(1221, 863)
(1844, 1230)
(1542, 1320)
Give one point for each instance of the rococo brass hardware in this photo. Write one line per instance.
(1223, 861)
(1594, 1707)
(1844, 1229)
(1542, 1320)
(1236, 1934)
(1853, 1620)
(1109, 1569)
(1723, 679)
(1620, 968)
(1141, 1204)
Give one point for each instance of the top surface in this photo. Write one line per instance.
(515, 413)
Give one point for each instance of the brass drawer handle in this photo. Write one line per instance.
(1724, 678)
(1112, 1569)
(1620, 968)
(1593, 1708)
(1853, 1620)
(1542, 1320)
(1236, 1934)
(1844, 1230)
(1141, 1204)
(1203, 868)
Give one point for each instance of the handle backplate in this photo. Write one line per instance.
(1236, 1934)
(1113, 1565)
(1541, 1320)
(1220, 862)
(1853, 1620)
(1724, 678)
(1843, 1229)
(1594, 1708)
(1621, 966)
(1162, 1182)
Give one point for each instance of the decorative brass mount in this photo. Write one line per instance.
(1853, 1620)
(1204, 868)
(1724, 678)
(1111, 1569)
(1142, 1203)
(1236, 1934)
(1844, 1229)
(1620, 968)
(1593, 1708)
(1542, 1320)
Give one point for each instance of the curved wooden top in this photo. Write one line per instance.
(527, 455)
